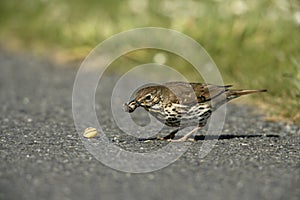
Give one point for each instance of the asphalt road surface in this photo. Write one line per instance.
(43, 157)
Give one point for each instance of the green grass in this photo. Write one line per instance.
(255, 44)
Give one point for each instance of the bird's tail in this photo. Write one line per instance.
(232, 94)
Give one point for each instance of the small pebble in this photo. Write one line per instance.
(90, 132)
(151, 176)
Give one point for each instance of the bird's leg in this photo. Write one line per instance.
(170, 136)
(185, 137)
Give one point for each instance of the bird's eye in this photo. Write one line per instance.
(148, 97)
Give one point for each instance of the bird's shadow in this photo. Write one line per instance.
(229, 137)
(220, 137)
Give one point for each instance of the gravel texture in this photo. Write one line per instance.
(43, 157)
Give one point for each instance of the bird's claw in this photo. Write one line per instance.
(183, 139)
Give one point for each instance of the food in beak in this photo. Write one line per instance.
(130, 107)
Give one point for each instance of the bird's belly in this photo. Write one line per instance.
(183, 117)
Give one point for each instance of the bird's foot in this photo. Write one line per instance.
(183, 139)
(168, 137)
(186, 136)
(160, 138)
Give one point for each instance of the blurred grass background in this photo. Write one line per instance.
(255, 43)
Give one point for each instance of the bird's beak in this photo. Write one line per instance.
(131, 106)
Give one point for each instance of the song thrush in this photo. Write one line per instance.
(182, 104)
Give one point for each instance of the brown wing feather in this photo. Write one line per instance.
(189, 93)
(206, 92)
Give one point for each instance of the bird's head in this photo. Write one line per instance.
(145, 97)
